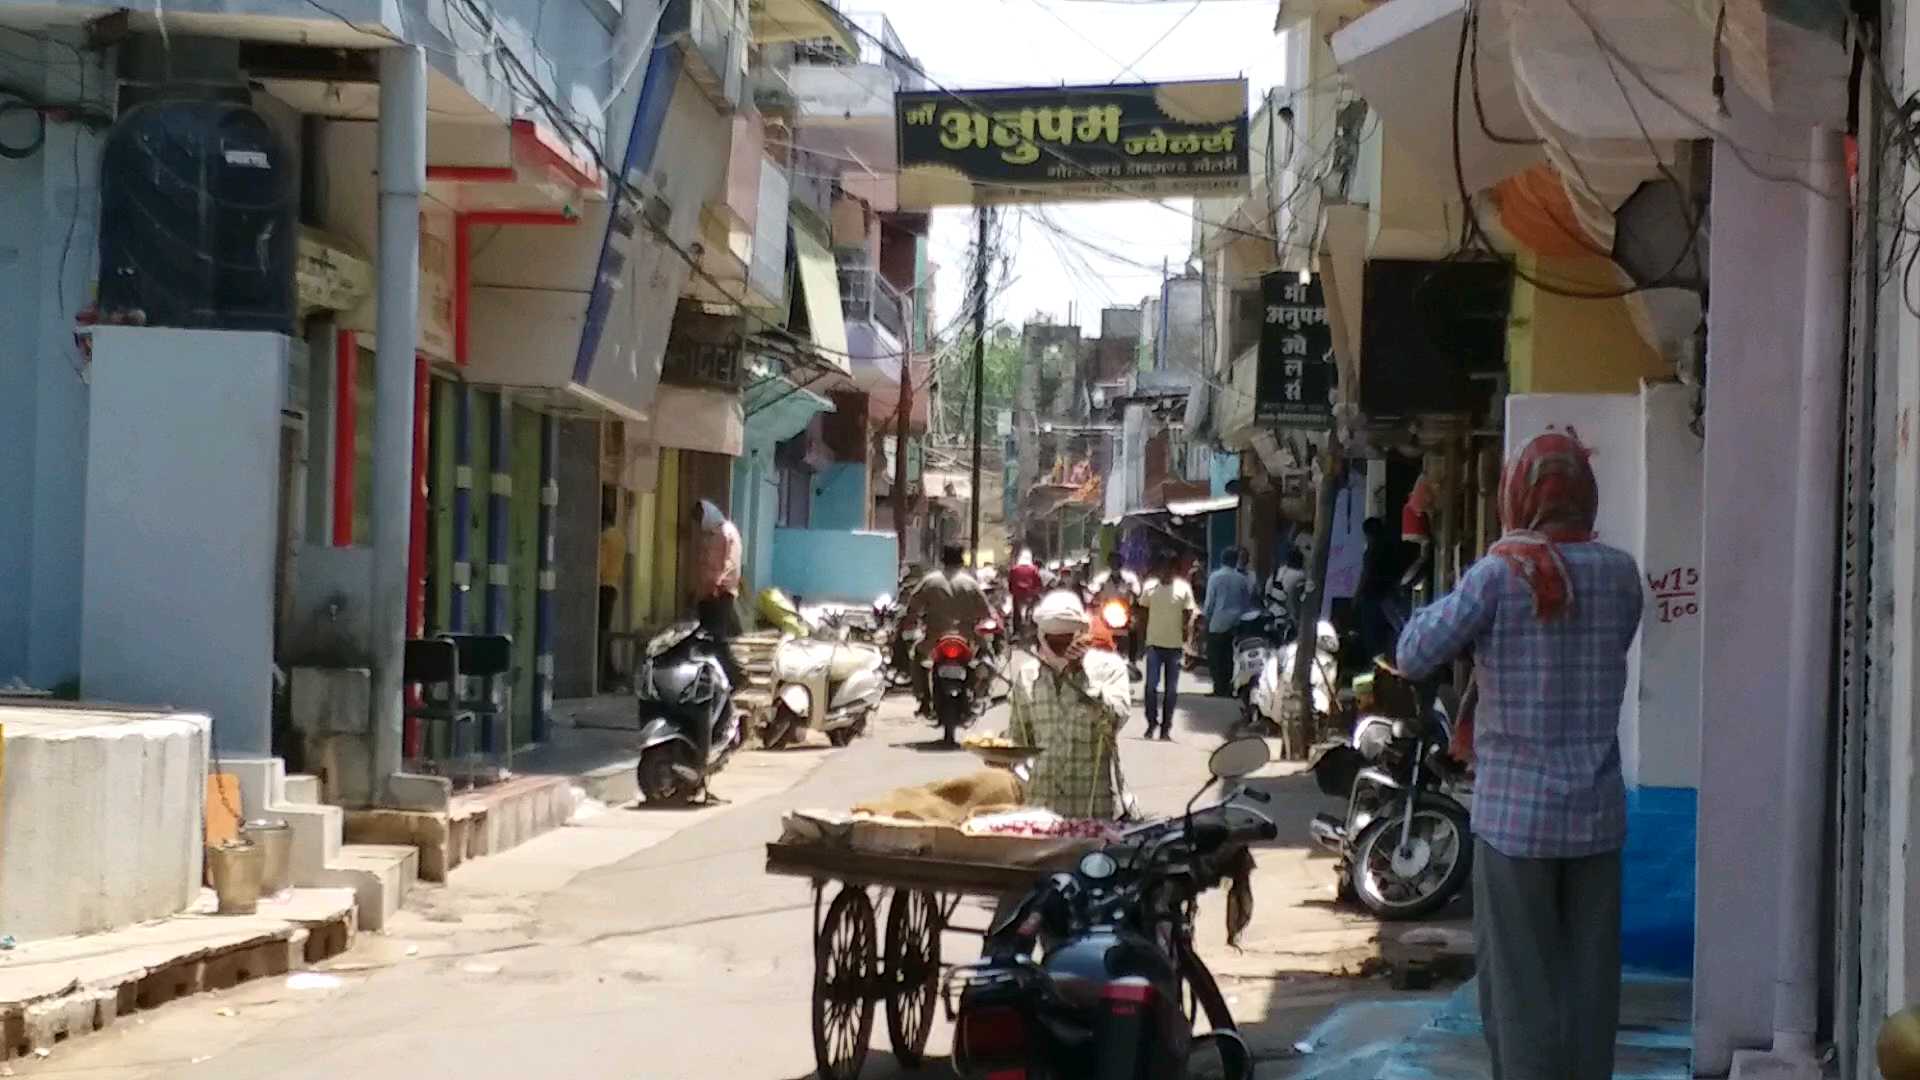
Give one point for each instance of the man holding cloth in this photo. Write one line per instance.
(1070, 701)
(1549, 615)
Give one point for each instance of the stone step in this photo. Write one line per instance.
(301, 788)
(380, 876)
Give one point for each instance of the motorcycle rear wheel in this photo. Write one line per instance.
(1440, 832)
(660, 782)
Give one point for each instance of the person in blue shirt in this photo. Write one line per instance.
(1229, 595)
(1548, 615)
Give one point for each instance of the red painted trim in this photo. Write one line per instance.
(463, 260)
(520, 217)
(474, 174)
(462, 282)
(346, 361)
(542, 149)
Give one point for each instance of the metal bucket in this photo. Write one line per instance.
(275, 840)
(237, 866)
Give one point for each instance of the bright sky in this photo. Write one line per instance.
(975, 44)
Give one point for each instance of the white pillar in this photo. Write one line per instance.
(1809, 703)
(403, 175)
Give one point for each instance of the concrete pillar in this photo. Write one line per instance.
(1754, 385)
(403, 175)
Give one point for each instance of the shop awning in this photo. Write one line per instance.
(1396, 56)
(820, 284)
(777, 408)
(779, 21)
(695, 418)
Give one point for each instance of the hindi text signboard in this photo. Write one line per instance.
(1297, 375)
(1122, 141)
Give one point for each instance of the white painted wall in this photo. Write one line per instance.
(99, 817)
(182, 492)
(1674, 566)
(49, 207)
(1609, 425)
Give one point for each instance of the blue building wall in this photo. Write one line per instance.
(1657, 879)
(45, 273)
(818, 565)
(755, 505)
(840, 497)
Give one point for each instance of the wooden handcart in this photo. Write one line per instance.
(854, 968)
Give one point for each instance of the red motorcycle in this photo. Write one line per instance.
(960, 673)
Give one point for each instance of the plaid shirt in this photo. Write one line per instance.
(1073, 716)
(1546, 735)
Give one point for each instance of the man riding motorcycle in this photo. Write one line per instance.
(948, 600)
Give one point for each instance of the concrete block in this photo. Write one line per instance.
(316, 838)
(379, 875)
(302, 789)
(261, 782)
(407, 791)
(99, 817)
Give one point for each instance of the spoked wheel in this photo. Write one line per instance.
(1408, 883)
(845, 959)
(913, 972)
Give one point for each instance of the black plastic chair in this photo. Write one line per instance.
(434, 665)
(484, 660)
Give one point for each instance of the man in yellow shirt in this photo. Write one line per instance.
(613, 570)
(1171, 609)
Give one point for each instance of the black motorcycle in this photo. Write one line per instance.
(957, 682)
(688, 725)
(1405, 844)
(1094, 973)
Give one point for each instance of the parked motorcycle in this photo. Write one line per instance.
(688, 724)
(1088, 976)
(826, 682)
(1405, 844)
(898, 644)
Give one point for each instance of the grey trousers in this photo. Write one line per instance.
(1547, 944)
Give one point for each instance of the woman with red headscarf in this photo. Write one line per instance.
(1549, 615)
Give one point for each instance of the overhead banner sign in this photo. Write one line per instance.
(1297, 374)
(1072, 142)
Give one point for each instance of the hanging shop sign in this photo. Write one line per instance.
(1297, 375)
(1072, 142)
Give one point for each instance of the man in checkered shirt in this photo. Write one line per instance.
(1070, 701)
(1548, 615)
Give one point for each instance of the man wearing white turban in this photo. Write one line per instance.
(1070, 701)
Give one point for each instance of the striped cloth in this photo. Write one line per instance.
(1546, 744)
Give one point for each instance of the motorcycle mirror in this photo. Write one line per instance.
(1221, 1054)
(1239, 757)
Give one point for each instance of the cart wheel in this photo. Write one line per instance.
(913, 972)
(846, 957)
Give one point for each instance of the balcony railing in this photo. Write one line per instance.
(703, 363)
(865, 296)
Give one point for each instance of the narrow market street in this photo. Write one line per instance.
(652, 944)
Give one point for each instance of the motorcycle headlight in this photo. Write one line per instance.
(1372, 737)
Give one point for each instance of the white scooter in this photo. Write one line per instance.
(1275, 683)
(826, 683)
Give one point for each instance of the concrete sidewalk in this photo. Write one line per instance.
(1424, 1040)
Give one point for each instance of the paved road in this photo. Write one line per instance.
(636, 944)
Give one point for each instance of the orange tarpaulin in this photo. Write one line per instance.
(1536, 212)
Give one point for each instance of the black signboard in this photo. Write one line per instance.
(1297, 375)
(1109, 141)
(1428, 329)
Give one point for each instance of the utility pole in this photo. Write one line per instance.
(979, 368)
(1294, 734)
(903, 412)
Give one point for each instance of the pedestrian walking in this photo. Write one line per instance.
(1023, 588)
(717, 585)
(1548, 615)
(613, 571)
(1229, 595)
(1171, 612)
